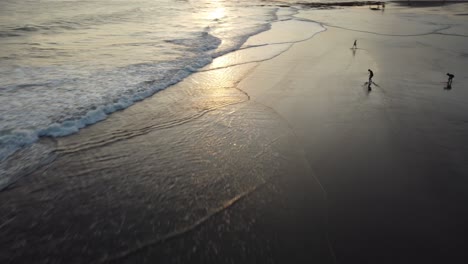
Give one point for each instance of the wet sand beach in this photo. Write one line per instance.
(391, 160)
(267, 158)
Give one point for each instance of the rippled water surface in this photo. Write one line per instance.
(67, 64)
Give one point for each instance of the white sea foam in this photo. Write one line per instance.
(65, 70)
(15, 139)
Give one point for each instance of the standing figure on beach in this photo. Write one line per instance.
(371, 74)
(450, 78)
(355, 44)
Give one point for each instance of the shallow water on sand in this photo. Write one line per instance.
(68, 64)
(139, 186)
(153, 171)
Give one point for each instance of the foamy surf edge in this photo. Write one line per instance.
(13, 140)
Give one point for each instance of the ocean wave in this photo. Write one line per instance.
(56, 100)
(71, 23)
(202, 42)
(13, 139)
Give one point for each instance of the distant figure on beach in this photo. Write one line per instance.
(371, 74)
(355, 44)
(449, 82)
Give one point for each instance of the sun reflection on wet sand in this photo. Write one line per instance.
(246, 56)
(220, 89)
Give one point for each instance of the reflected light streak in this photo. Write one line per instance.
(226, 60)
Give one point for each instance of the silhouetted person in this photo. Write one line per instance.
(371, 74)
(450, 78)
(449, 81)
(355, 44)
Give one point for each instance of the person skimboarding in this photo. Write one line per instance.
(355, 44)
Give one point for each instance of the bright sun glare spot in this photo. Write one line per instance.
(218, 13)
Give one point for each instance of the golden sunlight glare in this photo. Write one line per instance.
(218, 13)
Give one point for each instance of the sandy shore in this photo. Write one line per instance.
(272, 154)
(391, 160)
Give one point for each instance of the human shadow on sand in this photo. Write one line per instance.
(368, 85)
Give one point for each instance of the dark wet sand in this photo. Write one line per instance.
(158, 197)
(392, 160)
(281, 222)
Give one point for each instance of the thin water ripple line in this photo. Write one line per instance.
(434, 32)
(178, 233)
(267, 44)
(142, 131)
